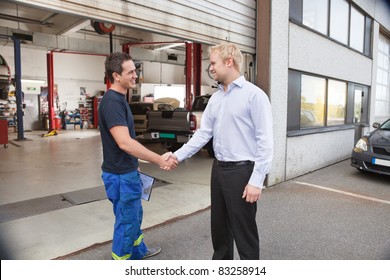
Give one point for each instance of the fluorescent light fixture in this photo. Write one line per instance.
(33, 81)
(169, 46)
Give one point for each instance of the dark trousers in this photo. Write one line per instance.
(232, 218)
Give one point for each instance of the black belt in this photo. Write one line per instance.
(233, 163)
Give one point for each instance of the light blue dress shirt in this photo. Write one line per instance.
(240, 120)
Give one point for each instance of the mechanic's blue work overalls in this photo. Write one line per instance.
(124, 191)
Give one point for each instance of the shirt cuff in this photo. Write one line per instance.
(180, 156)
(257, 180)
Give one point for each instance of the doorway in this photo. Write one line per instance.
(360, 110)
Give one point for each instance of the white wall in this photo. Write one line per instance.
(310, 152)
(313, 53)
(278, 86)
(33, 61)
(72, 71)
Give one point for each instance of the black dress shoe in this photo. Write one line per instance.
(152, 252)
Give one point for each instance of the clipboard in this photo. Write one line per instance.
(147, 185)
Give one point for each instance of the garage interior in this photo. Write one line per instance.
(62, 91)
(55, 180)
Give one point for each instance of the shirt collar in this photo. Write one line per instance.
(237, 82)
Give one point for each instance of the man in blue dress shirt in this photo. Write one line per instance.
(239, 119)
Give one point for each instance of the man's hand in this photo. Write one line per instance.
(169, 161)
(251, 193)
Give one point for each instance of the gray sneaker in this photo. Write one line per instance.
(152, 252)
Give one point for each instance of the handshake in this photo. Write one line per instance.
(168, 161)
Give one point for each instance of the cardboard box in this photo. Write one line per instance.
(12, 129)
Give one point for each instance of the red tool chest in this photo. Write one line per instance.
(4, 133)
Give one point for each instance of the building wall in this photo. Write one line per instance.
(313, 53)
(296, 47)
(314, 151)
(278, 86)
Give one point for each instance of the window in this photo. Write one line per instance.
(336, 19)
(382, 102)
(318, 104)
(312, 101)
(357, 30)
(315, 15)
(337, 101)
(339, 20)
(318, 94)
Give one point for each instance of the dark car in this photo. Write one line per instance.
(5, 78)
(140, 111)
(372, 152)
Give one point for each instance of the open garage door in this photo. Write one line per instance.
(199, 21)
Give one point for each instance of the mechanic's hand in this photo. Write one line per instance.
(169, 161)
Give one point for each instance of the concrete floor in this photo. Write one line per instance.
(36, 175)
(335, 213)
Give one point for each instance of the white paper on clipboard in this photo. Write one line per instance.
(147, 185)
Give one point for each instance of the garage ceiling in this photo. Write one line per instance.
(23, 19)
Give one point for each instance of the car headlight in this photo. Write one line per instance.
(361, 145)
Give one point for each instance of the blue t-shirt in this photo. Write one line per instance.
(115, 111)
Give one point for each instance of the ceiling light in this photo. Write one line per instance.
(33, 81)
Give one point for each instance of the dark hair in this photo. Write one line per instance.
(114, 63)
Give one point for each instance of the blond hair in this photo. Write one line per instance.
(226, 51)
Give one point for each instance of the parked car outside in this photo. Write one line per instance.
(372, 152)
(5, 78)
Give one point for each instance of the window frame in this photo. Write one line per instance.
(294, 105)
(296, 16)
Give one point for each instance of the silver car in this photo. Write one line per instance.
(5, 78)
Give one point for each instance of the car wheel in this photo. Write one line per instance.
(175, 147)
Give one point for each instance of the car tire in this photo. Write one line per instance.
(175, 147)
